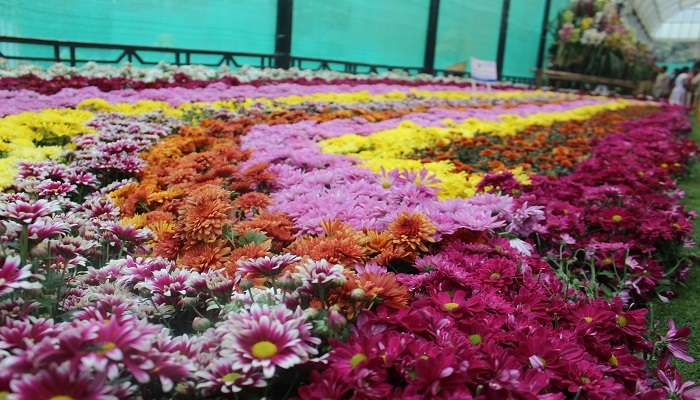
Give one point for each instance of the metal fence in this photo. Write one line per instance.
(69, 51)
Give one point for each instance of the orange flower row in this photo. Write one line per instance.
(538, 149)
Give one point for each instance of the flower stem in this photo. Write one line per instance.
(24, 244)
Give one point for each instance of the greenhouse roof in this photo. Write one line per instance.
(677, 20)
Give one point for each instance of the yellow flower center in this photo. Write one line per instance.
(106, 347)
(621, 321)
(585, 379)
(424, 357)
(608, 261)
(386, 184)
(495, 275)
(616, 218)
(450, 306)
(588, 319)
(674, 225)
(264, 349)
(231, 377)
(475, 338)
(357, 359)
(677, 165)
(613, 360)
(61, 397)
(664, 165)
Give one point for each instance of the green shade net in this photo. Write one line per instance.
(391, 32)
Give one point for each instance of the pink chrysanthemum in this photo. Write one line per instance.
(13, 276)
(129, 234)
(221, 377)
(320, 273)
(62, 383)
(53, 188)
(27, 213)
(267, 338)
(265, 266)
(45, 228)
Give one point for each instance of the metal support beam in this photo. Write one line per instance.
(502, 37)
(431, 37)
(543, 34)
(283, 33)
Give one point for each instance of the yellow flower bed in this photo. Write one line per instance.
(389, 149)
(29, 136)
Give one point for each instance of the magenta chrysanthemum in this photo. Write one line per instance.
(26, 212)
(14, 276)
(265, 266)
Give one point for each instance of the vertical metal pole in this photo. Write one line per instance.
(283, 33)
(502, 37)
(72, 56)
(431, 37)
(543, 34)
(57, 53)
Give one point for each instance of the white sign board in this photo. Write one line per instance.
(483, 70)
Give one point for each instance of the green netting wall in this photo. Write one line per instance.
(370, 31)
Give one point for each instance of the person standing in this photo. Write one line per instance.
(680, 92)
(662, 84)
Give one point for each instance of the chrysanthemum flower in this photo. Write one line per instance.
(265, 267)
(336, 249)
(277, 225)
(267, 338)
(205, 256)
(45, 228)
(53, 188)
(412, 230)
(61, 383)
(128, 234)
(676, 341)
(317, 273)
(13, 276)
(221, 377)
(167, 287)
(385, 289)
(204, 214)
(246, 202)
(26, 212)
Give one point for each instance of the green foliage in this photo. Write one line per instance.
(685, 308)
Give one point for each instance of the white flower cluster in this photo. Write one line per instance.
(593, 37)
(165, 71)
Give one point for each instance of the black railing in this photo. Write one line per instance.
(184, 56)
(131, 53)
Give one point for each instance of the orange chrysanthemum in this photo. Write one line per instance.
(335, 249)
(246, 202)
(204, 215)
(157, 216)
(377, 241)
(167, 246)
(277, 225)
(411, 230)
(205, 256)
(136, 199)
(384, 288)
(161, 197)
(392, 253)
(119, 195)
